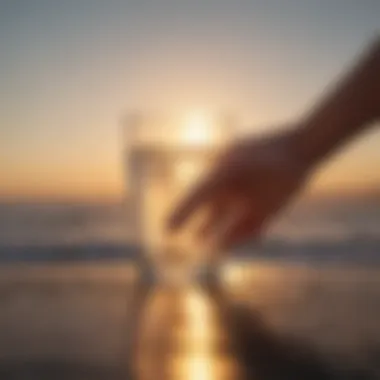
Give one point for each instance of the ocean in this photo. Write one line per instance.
(322, 230)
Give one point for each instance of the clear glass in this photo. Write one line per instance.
(165, 157)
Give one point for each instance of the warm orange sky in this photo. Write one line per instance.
(70, 70)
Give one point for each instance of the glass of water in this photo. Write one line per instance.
(164, 158)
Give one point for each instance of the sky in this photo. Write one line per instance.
(71, 68)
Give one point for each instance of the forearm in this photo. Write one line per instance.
(353, 105)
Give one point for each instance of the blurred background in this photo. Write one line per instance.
(69, 71)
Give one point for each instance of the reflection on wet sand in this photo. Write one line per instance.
(195, 333)
(268, 321)
(182, 336)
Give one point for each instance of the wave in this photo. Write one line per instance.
(72, 232)
(354, 251)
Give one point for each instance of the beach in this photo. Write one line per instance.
(74, 320)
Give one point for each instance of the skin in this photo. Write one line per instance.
(256, 178)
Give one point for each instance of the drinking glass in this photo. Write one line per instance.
(164, 159)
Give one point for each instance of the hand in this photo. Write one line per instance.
(252, 180)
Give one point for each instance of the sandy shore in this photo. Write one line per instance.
(74, 321)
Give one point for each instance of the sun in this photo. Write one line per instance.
(197, 129)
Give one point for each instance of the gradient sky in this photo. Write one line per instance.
(70, 68)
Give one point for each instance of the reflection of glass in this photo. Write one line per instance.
(164, 158)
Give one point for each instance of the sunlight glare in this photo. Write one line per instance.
(197, 129)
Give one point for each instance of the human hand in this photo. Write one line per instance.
(251, 181)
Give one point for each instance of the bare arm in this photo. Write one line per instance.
(351, 107)
(256, 178)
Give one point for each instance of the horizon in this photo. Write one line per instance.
(309, 194)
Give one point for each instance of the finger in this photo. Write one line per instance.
(239, 235)
(239, 230)
(214, 216)
(201, 194)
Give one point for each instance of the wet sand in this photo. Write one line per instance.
(265, 321)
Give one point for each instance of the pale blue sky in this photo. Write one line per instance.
(69, 68)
